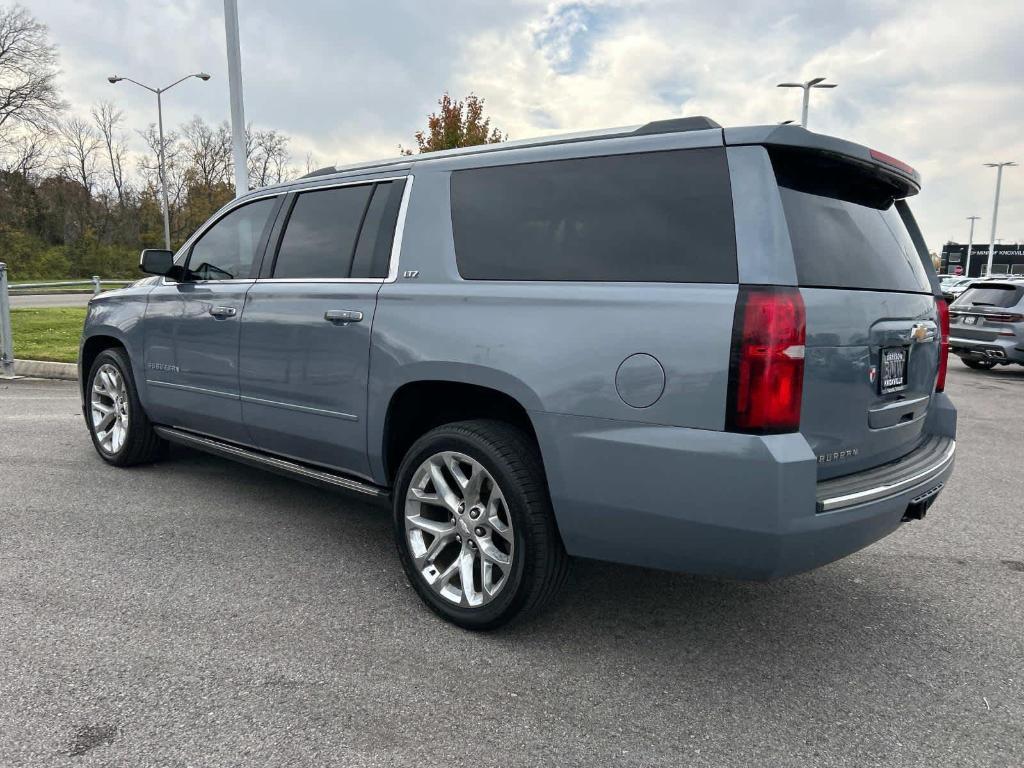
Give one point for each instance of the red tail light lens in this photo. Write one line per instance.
(890, 160)
(943, 309)
(766, 371)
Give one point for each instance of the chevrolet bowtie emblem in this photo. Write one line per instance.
(921, 332)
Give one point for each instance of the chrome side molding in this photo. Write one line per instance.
(286, 467)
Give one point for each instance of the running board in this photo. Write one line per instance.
(286, 467)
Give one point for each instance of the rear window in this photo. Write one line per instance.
(340, 232)
(649, 217)
(320, 236)
(845, 227)
(990, 296)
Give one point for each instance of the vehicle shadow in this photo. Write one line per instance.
(847, 614)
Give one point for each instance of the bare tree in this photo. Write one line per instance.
(107, 119)
(28, 69)
(27, 153)
(79, 145)
(268, 157)
(208, 149)
(311, 164)
(174, 172)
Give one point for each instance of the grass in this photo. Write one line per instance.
(51, 333)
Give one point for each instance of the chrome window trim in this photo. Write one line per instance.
(396, 244)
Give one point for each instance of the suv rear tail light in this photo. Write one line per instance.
(766, 369)
(943, 309)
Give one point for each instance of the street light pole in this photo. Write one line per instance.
(970, 244)
(161, 170)
(817, 82)
(163, 179)
(995, 210)
(235, 93)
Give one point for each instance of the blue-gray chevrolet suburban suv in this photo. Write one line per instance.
(719, 351)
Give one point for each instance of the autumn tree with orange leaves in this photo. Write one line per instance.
(457, 124)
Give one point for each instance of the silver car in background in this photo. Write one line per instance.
(987, 324)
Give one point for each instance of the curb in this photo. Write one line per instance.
(42, 369)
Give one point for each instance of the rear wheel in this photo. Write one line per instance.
(978, 365)
(120, 430)
(474, 526)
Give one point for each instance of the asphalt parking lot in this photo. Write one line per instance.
(198, 612)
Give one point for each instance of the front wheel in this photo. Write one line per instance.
(120, 429)
(474, 527)
(978, 365)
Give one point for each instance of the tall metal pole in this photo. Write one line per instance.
(970, 245)
(995, 211)
(163, 172)
(235, 89)
(6, 342)
(807, 102)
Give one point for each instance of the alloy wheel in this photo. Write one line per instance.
(459, 530)
(109, 408)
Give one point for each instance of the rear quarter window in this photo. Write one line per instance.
(649, 217)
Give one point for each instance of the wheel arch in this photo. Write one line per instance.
(90, 349)
(419, 404)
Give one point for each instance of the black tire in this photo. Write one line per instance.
(978, 365)
(141, 444)
(540, 564)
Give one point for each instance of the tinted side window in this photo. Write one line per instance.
(373, 253)
(651, 217)
(320, 236)
(226, 250)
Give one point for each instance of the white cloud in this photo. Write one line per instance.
(935, 83)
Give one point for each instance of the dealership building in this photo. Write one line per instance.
(1008, 258)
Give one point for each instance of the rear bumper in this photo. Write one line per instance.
(918, 472)
(723, 504)
(1007, 349)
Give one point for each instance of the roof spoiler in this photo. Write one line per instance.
(677, 125)
(797, 138)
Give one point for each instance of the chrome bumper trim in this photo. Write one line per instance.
(890, 489)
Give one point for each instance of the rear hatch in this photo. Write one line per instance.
(873, 337)
(986, 311)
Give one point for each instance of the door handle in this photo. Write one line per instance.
(343, 316)
(222, 312)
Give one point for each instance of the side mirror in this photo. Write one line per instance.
(156, 261)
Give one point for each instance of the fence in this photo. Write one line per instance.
(6, 338)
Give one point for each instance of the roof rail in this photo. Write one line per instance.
(673, 125)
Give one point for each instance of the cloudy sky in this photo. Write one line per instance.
(938, 83)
